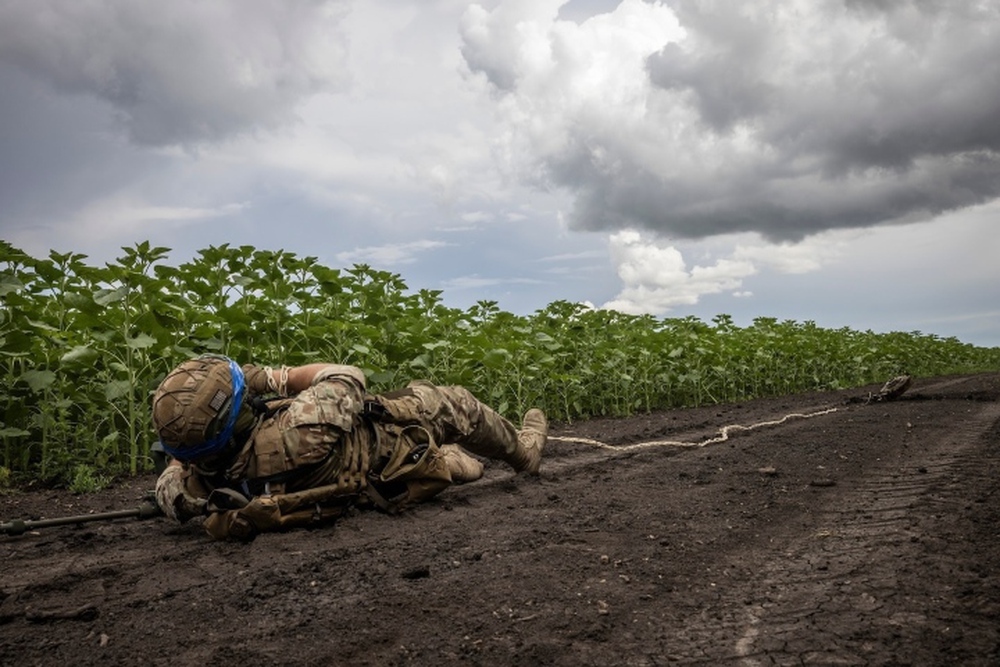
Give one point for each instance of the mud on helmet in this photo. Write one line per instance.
(196, 406)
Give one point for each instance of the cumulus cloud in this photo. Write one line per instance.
(786, 119)
(477, 282)
(102, 222)
(476, 217)
(184, 71)
(572, 256)
(389, 255)
(806, 256)
(656, 278)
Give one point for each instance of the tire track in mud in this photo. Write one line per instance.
(843, 573)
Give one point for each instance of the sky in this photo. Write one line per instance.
(812, 160)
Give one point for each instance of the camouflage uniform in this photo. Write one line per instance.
(310, 456)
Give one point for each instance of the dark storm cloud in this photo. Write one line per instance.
(183, 71)
(56, 152)
(925, 81)
(894, 110)
(782, 118)
(701, 207)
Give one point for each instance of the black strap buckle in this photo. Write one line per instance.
(374, 410)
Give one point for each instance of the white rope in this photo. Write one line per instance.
(280, 386)
(722, 437)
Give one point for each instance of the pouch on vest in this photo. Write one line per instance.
(304, 432)
(415, 472)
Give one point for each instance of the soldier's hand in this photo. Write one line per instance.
(229, 525)
(263, 513)
(173, 496)
(256, 516)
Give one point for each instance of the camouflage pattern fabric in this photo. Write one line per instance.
(178, 495)
(322, 439)
(452, 415)
(305, 436)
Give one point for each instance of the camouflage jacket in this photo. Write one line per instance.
(306, 460)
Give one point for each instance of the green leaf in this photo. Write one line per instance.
(77, 300)
(117, 389)
(40, 325)
(141, 342)
(79, 355)
(495, 358)
(11, 432)
(38, 380)
(382, 377)
(9, 283)
(105, 297)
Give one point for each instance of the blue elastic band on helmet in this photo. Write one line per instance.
(217, 443)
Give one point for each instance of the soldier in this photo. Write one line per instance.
(318, 444)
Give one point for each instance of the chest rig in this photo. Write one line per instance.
(313, 458)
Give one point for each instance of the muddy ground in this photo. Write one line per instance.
(868, 535)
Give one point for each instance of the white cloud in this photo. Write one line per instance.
(183, 71)
(787, 118)
(390, 255)
(802, 257)
(573, 256)
(656, 278)
(106, 220)
(475, 282)
(370, 125)
(476, 216)
(455, 229)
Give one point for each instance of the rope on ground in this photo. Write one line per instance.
(722, 437)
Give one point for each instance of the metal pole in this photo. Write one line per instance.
(20, 526)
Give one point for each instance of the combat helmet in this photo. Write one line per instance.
(195, 408)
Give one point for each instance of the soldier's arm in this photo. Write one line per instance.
(288, 381)
(180, 494)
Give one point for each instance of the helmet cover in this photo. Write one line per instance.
(196, 405)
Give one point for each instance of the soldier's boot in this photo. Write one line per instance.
(495, 437)
(463, 467)
(527, 457)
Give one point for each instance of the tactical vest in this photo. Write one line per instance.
(316, 439)
(315, 449)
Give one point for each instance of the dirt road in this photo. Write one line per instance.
(862, 535)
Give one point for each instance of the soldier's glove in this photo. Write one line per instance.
(173, 497)
(232, 517)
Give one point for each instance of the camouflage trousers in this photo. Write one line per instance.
(418, 429)
(451, 415)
